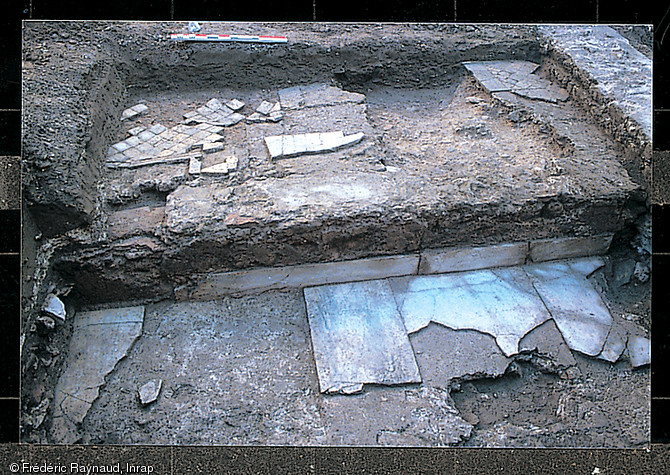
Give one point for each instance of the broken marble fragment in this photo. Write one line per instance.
(264, 108)
(218, 169)
(639, 350)
(234, 104)
(615, 344)
(358, 336)
(134, 111)
(499, 302)
(574, 304)
(255, 118)
(150, 391)
(55, 307)
(292, 145)
(194, 166)
(99, 340)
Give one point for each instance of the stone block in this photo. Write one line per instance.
(157, 129)
(440, 261)
(214, 104)
(132, 141)
(231, 162)
(564, 248)
(235, 105)
(264, 108)
(216, 285)
(194, 166)
(119, 147)
(145, 135)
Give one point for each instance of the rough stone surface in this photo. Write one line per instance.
(299, 97)
(602, 53)
(99, 340)
(358, 336)
(136, 221)
(10, 182)
(500, 302)
(547, 342)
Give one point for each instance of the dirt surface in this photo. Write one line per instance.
(241, 371)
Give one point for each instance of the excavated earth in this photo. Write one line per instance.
(444, 162)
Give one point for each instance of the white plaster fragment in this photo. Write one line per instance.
(194, 166)
(235, 104)
(55, 307)
(639, 350)
(293, 145)
(218, 169)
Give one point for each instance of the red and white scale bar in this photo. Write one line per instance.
(239, 38)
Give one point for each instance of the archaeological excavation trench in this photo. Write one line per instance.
(357, 237)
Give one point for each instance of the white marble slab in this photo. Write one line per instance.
(358, 337)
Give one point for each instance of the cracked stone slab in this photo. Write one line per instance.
(358, 337)
(576, 307)
(293, 145)
(615, 344)
(516, 77)
(500, 302)
(99, 340)
(444, 355)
